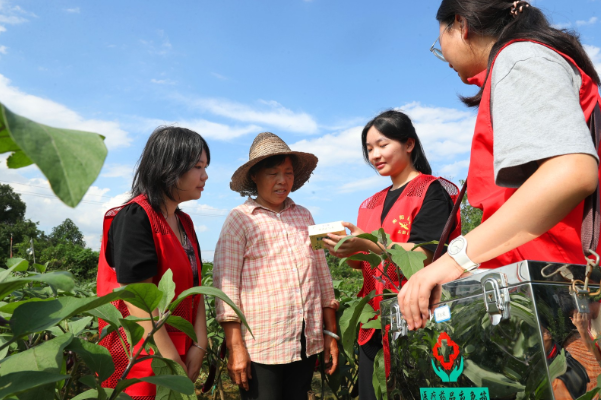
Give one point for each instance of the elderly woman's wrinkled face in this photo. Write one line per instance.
(274, 184)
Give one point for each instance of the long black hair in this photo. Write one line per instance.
(169, 153)
(493, 18)
(396, 125)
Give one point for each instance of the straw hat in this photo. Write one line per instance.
(265, 145)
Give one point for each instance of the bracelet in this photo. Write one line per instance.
(195, 345)
(332, 334)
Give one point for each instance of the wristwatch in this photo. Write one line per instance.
(457, 249)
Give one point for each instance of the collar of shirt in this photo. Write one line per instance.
(250, 205)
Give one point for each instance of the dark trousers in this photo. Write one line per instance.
(281, 381)
(367, 354)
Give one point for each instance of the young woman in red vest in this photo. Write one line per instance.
(413, 210)
(532, 160)
(148, 236)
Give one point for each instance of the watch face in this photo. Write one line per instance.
(456, 246)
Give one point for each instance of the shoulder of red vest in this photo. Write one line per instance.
(375, 200)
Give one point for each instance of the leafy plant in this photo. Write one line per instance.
(71, 160)
(46, 342)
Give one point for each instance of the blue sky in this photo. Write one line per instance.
(313, 72)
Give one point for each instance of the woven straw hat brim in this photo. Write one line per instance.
(306, 163)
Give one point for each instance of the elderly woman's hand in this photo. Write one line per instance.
(330, 350)
(238, 365)
(350, 246)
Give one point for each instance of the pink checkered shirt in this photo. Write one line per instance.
(264, 262)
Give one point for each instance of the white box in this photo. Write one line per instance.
(318, 232)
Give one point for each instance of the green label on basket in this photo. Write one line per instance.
(473, 393)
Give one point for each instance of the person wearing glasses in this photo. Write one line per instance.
(532, 160)
(413, 210)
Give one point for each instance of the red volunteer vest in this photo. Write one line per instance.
(397, 224)
(171, 255)
(562, 242)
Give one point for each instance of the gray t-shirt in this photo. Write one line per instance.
(536, 111)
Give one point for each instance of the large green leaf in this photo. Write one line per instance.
(167, 286)
(17, 382)
(71, 160)
(58, 280)
(348, 325)
(408, 261)
(47, 357)
(17, 264)
(39, 316)
(76, 327)
(211, 291)
(9, 308)
(97, 358)
(108, 313)
(183, 325)
(133, 331)
(93, 394)
(373, 259)
(368, 236)
(170, 369)
(146, 296)
(379, 376)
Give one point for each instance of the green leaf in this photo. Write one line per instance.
(9, 308)
(17, 382)
(210, 291)
(71, 160)
(41, 268)
(46, 357)
(93, 394)
(373, 259)
(383, 237)
(17, 264)
(379, 376)
(88, 380)
(408, 261)
(39, 316)
(146, 296)
(559, 366)
(108, 313)
(133, 331)
(58, 280)
(589, 395)
(167, 286)
(180, 384)
(348, 325)
(76, 327)
(163, 367)
(97, 358)
(366, 314)
(368, 236)
(182, 325)
(18, 159)
(373, 324)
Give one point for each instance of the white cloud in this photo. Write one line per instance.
(452, 171)
(75, 10)
(372, 182)
(207, 129)
(590, 21)
(219, 76)
(268, 113)
(3, 49)
(117, 171)
(163, 81)
(44, 206)
(12, 15)
(195, 208)
(2, 29)
(594, 54)
(334, 149)
(161, 48)
(48, 112)
(201, 228)
(562, 25)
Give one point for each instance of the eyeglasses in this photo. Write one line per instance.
(437, 52)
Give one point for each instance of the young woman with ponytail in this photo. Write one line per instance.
(412, 210)
(538, 91)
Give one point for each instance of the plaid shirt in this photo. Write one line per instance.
(264, 262)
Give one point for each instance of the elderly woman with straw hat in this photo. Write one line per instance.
(264, 262)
